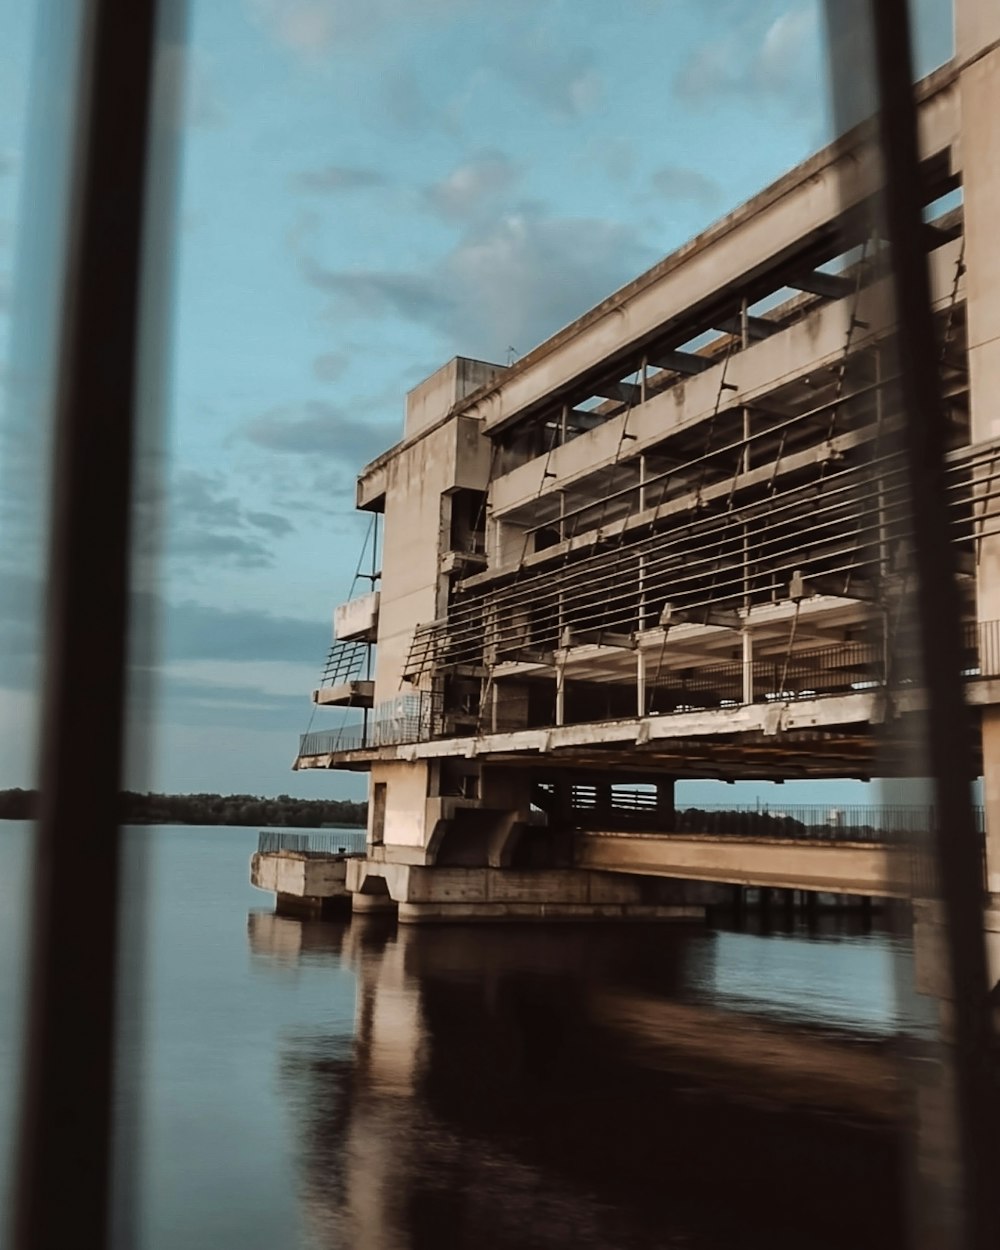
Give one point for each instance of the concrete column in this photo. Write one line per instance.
(665, 807)
(991, 795)
(747, 640)
(640, 682)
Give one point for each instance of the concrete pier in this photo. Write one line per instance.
(303, 884)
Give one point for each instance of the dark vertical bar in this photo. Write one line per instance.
(63, 1193)
(949, 726)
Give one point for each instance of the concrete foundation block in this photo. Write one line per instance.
(450, 894)
(372, 904)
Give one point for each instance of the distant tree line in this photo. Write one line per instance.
(210, 809)
(752, 824)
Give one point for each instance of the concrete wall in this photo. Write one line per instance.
(425, 894)
(285, 872)
(978, 24)
(408, 786)
(436, 395)
(416, 533)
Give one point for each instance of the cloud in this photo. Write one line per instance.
(509, 283)
(778, 59)
(185, 702)
(311, 28)
(210, 526)
(305, 26)
(472, 186)
(207, 549)
(402, 103)
(615, 155)
(331, 366)
(562, 79)
(316, 428)
(678, 182)
(280, 526)
(194, 631)
(191, 631)
(332, 179)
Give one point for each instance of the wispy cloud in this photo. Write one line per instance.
(312, 27)
(512, 282)
(679, 182)
(331, 366)
(333, 179)
(474, 185)
(761, 59)
(316, 428)
(210, 526)
(563, 79)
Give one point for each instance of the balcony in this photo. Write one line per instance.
(345, 694)
(342, 683)
(357, 620)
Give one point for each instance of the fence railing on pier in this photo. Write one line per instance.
(334, 842)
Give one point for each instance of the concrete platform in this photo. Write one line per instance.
(303, 884)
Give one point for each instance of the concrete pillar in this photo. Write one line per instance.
(666, 811)
(747, 639)
(640, 682)
(991, 796)
(561, 690)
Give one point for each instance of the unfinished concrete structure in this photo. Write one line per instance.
(671, 542)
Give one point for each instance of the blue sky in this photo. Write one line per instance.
(365, 191)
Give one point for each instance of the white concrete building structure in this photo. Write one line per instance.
(672, 542)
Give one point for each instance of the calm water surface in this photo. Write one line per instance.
(310, 1086)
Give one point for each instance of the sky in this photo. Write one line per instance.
(364, 191)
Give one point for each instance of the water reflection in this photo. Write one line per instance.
(529, 1087)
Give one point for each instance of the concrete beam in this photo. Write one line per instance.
(828, 285)
(681, 362)
(862, 868)
(797, 351)
(757, 327)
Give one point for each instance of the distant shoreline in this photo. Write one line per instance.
(234, 810)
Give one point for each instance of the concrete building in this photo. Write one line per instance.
(672, 542)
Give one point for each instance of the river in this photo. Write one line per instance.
(312, 1085)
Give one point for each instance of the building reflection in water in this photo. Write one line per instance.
(511, 1088)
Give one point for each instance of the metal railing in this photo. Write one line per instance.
(344, 662)
(331, 741)
(336, 842)
(850, 823)
(844, 668)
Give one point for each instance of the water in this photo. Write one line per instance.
(311, 1086)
